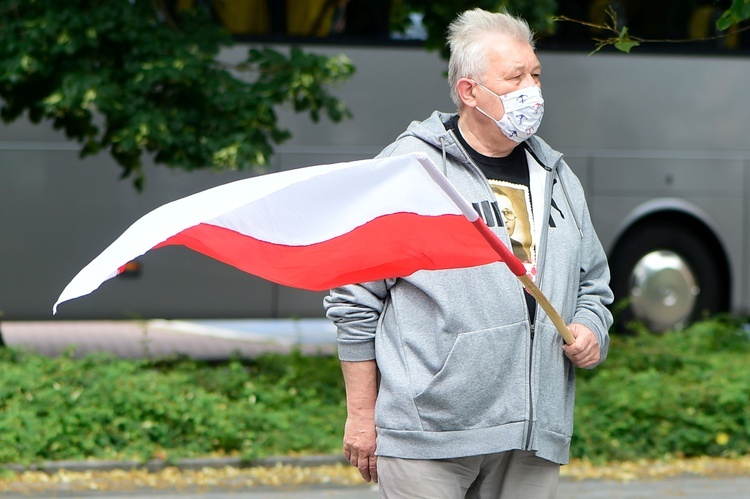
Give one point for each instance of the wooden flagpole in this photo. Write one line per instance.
(506, 255)
(516, 266)
(555, 317)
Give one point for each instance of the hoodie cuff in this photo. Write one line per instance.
(356, 351)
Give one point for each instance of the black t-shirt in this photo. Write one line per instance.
(509, 178)
(512, 168)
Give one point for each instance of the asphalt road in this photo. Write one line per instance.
(684, 487)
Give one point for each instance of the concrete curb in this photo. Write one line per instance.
(155, 465)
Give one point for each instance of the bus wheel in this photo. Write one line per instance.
(668, 277)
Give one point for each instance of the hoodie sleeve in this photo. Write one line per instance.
(355, 310)
(594, 293)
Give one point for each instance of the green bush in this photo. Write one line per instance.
(683, 393)
(105, 408)
(677, 394)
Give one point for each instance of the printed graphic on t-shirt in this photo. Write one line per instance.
(515, 206)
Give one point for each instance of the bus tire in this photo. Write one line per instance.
(666, 277)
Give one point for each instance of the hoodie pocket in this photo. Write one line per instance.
(482, 383)
(555, 399)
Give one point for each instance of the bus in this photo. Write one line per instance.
(658, 138)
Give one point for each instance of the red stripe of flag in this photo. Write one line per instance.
(394, 245)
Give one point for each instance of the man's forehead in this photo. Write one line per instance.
(512, 51)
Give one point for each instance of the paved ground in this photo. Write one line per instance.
(199, 339)
(681, 487)
(214, 340)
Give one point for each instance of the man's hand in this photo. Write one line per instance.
(584, 352)
(359, 446)
(361, 382)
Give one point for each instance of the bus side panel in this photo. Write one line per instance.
(646, 127)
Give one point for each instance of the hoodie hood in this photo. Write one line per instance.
(433, 132)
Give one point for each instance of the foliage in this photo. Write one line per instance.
(677, 394)
(133, 77)
(739, 11)
(101, 407)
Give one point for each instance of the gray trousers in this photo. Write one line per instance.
(514, 474)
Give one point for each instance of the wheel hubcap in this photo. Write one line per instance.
(663, 290)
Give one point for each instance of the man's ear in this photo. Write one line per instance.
(466, 92)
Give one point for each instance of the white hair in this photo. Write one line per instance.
(466, 40)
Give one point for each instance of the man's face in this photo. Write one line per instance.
(512, 65)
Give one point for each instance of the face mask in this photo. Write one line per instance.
(524, 109)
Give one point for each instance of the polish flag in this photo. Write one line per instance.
(318, 227)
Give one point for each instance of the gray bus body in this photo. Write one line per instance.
(659, 142)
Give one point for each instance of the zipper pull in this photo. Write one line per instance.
(532, 331)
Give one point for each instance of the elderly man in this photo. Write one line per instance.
(457, 384)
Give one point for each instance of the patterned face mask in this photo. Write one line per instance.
(524, 109)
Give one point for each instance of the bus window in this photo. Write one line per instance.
(302, 20)
(243, 17)
(685, 26)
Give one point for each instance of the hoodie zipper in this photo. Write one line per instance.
(540, 260)
(531, 392)
(532, 327)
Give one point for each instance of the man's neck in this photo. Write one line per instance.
(490, 142)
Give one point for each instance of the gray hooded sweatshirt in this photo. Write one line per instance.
(461, 369)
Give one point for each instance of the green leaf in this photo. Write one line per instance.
(739, 11)
(626, 45)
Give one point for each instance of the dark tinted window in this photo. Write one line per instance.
(686, 22)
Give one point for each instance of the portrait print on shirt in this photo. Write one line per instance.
(515, 207)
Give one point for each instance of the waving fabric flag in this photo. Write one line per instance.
(318, 227)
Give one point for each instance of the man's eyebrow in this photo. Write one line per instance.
(521, 67)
